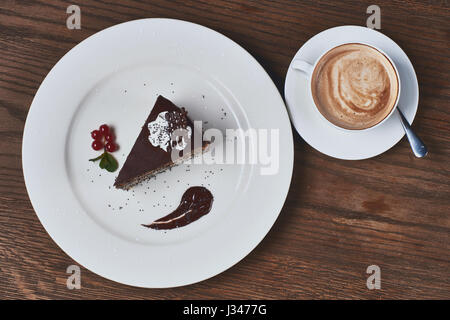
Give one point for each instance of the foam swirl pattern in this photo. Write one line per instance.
(354, 86)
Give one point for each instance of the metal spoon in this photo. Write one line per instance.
(418, 147)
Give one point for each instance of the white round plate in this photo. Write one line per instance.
(333, 141)
(114, 77)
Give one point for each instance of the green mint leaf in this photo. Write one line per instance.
(98, 158)
(104, 162)
(107, 161)
(112, 163)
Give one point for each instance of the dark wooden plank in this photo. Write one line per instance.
(339, 216)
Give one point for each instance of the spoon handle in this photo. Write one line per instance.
(418, 147)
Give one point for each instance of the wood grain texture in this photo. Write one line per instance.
(339, 216)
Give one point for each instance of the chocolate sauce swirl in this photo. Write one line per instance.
(195, 203)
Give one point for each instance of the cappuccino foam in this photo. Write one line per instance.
(354, 86)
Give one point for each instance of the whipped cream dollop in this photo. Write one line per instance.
(161, 129)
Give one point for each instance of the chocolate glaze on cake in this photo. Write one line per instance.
(195, 203)
(146, 159)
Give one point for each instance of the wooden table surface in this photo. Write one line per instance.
(339, 216)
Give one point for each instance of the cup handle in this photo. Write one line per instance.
(303, 66)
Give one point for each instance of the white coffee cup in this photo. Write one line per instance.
(308, 69)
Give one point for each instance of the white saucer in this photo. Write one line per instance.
(339, 143)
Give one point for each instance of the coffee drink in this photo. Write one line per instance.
(354, 86)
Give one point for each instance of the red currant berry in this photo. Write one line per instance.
(109, 137)
(97, 145)
(96, 135)
(104, 129)
(111, 147)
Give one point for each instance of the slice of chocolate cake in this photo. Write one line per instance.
(152, 151)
